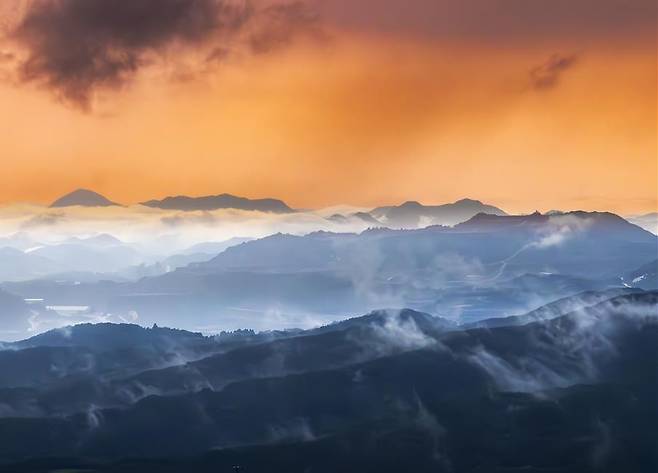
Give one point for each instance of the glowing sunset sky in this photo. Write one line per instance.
(523, 103)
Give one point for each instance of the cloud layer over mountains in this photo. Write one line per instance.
(183, 221)
(182, 268)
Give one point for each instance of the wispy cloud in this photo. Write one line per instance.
(547, 75)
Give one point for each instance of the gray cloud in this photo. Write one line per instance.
(547, 75)
(77, 47)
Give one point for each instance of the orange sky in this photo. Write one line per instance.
(363, 116)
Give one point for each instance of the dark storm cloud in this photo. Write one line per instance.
(280, 23)
(547, 75)
(76, 46)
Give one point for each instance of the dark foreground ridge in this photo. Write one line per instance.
(572, 391)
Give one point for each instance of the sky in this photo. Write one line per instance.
(525, 104)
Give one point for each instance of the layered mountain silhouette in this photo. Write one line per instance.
(83, 198)
(222, 201)
(88, 198)
(489, 266)
(512, 343)
(393, 390)
(407, 215)
(413, 214)
(556, 242)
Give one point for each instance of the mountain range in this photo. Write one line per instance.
(396, 390)
(490, 343)
(96, 257)
(489, 266)
(407, 215)
(413, 214)
(87, 198)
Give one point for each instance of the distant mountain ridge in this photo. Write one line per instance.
(412, 214)
(83, 198)
(578, 221)
(221, 201)
(89, 198)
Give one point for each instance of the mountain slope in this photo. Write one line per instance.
(14, 314)
(554, 309)
(644, 277)
(648, 221)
